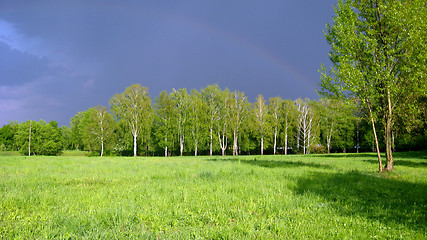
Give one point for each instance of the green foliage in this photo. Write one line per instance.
(46, 138)
(378, 56)
(7, 135)
(77, 124)
(99, 129)
(261, 117)
(133, 108)
(164, 122)
(247, 197)
(66, 137)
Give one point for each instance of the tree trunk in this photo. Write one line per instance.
(102, 147)
(235, 153)
(262, 145)
(210, 147)
(388, 136)
(329, 137)
(286, 138)
(134, 145)
(304, 141)
(275, 140)
(380, 164)
(195, 148)
(357, 136)
(223, 143)
(181, 146)
(166, 147)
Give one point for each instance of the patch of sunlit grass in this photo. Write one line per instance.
(247, 197)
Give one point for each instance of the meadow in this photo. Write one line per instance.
(338, 196)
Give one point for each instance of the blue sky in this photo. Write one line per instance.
(61, 57)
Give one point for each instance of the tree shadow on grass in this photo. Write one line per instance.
(381, 198)
(343, 155)
(273, 163)
(415, 155)
(418, 163)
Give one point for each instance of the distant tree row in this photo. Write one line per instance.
(207, 122)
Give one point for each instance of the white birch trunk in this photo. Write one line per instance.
(102, 147)
(329, 137)
(134, 144)
(166, 143)
(262, 145)
(181, 145)
(275, 140)
(235, 143)
(223, 143)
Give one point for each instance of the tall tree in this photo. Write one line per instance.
(133, 106)
(182, 104)
(223, 123)
(239, 108)
(274, 109)
(100, 127)
(211, 95)
(378, 55)
(289, 113)
(197, 118)
(306, 124)
(77, 124)
(261, 119)
(335, 117)
(166, 113)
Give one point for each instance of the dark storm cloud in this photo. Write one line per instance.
(61, 57)
(18, 67)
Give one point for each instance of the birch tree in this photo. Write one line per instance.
(330, 115)
(197, 118)
(133, 107)
(274, 109)
(289, 117)
(305, 124)
(166, 113)
(223, 119)
(100, 126)
(182, 104)
(239, 108)
(261, 119)
(211, 96)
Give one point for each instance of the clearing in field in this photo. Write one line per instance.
(250, 197)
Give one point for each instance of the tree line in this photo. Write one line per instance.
(378, 56)
(206, 122)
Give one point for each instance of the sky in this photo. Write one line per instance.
(58, 58)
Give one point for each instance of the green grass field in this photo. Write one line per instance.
(250, 197)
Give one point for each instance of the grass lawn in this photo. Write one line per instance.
(336, 196)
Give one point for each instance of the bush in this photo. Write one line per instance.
(317, 149)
